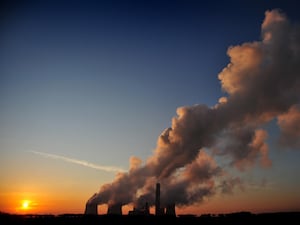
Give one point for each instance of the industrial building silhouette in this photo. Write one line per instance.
(116, 209)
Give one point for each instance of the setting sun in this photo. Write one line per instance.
(25, 205)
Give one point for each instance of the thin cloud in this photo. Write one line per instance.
(80, 162)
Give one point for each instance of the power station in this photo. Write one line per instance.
(91, 207)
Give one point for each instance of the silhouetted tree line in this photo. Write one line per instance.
(241, 218)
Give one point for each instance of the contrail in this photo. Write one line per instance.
(80, 162)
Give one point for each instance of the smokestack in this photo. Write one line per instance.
(157, 200)
(147, 210)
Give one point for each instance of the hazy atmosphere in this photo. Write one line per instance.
(111, 97)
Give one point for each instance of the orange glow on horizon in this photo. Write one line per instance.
(254, 201)
(26, 206)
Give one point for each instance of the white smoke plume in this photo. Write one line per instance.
(261, 83)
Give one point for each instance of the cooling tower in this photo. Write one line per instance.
(170, 210)
(91, 209)
(115, 209)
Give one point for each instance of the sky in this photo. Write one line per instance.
(112, 96)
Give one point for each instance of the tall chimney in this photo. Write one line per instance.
(157, 200)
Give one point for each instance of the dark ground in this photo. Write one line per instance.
(241, 218)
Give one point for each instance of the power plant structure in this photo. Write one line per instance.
(140, 211)
(91, 207)
(115, 209)
(157, 200)
(158, 210)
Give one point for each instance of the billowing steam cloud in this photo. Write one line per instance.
(261, 83)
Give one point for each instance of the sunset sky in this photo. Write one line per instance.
(88, 90)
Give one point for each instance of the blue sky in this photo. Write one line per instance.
(100, 80)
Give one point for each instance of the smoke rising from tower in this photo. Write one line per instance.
(261, 84)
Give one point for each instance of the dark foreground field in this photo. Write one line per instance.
(241, 218)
